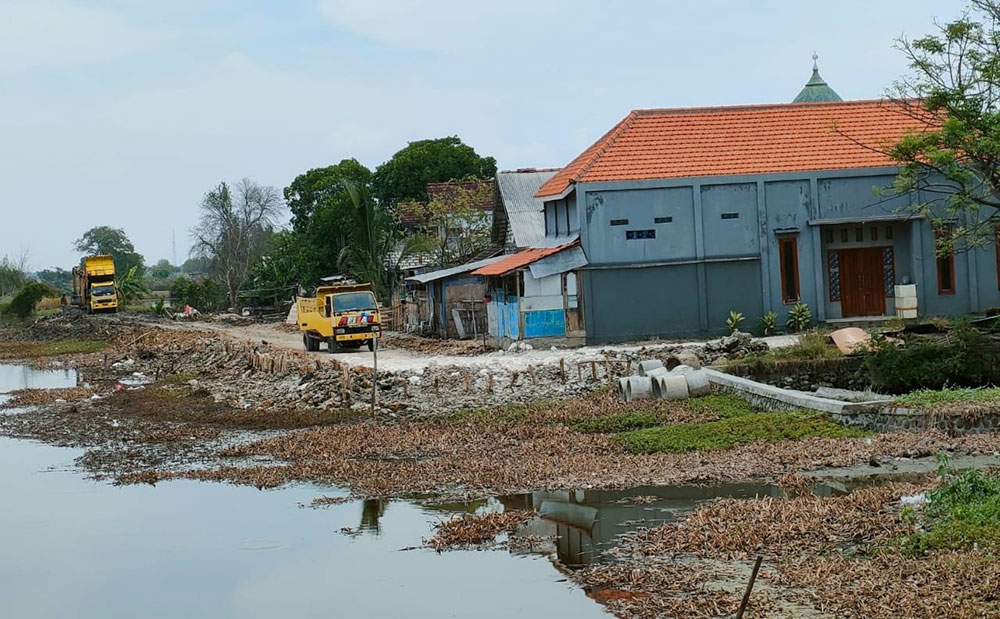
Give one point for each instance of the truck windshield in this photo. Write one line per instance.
(353, 301)
(103, 291)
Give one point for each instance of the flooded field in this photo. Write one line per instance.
(14, 377)
(187, 548)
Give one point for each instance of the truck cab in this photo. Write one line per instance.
(344, 316)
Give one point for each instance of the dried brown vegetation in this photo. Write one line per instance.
(474, 529)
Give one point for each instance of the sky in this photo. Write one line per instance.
(125, 113)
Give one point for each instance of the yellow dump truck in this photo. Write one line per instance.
(94, 287)
(343, 316)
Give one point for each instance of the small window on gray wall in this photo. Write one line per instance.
(619, 222)
(730, 215)
(640, 234)
(662, 220)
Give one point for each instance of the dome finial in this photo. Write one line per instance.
(816, 89)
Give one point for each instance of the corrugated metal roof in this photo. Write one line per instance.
(512, 262)
(566, 260)
(524, 212)
(431, 276)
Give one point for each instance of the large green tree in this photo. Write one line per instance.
(113, 241)
(405, 176)
(322, 215)
(953, 164)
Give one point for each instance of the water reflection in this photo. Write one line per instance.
(192, 549)
(585, 523)
(14, 377)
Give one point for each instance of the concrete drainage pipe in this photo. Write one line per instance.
(683, 358)
(661, 371)
(697, 383)
(681, 370)
(638, 388)
(623, 388)
(670, 387)
(646, 366)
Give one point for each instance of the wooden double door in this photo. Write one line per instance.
(862, 282)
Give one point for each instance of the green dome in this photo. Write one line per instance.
(816, 89)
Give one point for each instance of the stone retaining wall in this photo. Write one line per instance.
(805, 375)
(897, 419)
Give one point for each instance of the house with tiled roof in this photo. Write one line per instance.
(684, 215)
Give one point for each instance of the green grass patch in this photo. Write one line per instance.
(723, 405)
(733, 431)
(963, 513)
(812, 346)
(613, 424)
(50, 348)
(930, 398)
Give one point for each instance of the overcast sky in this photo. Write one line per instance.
(125, 113)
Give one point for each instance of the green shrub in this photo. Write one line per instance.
(799, 317)
(25, 301)
(927, 363)
(204, 295)
(734, 320)
(768, 324)
(963, 513)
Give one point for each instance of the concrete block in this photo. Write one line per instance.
(907, 290)
(649, 364)
(906, 313)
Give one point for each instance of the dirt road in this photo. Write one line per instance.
(395, 359)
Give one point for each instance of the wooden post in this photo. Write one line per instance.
(562, 369)
(513, 378)
(628, 368)
(607, 369)
(345, 382)
(593, 370)
(489, 383)
(746, 596)
(531, 372)
(406, 388)
(374, 374)
(437, 387)
(468, 382)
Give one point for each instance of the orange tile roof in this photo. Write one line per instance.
(520, 259)
(756, 139)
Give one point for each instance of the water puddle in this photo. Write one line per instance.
(187, 548)
(14, 377)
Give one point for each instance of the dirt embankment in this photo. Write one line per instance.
(160, 403)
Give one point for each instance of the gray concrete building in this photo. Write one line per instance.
(687, 214)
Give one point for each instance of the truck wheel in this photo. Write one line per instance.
(371, 345)
(332, 346)
(305, 342)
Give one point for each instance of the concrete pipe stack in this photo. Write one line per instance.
(685, 379)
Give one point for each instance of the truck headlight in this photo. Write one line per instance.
(341, 331)
(376, 329)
